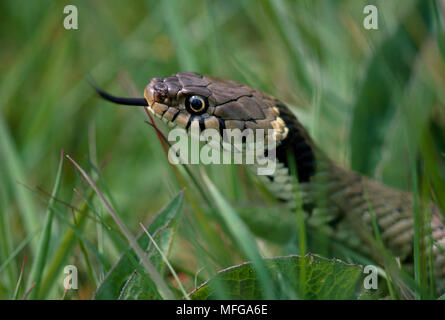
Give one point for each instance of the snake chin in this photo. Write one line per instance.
(171, 124)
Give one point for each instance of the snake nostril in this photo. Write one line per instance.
(160, 92)
(160, 86)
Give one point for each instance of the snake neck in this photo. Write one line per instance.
(297, 147)
(299, 160)
(340, 201)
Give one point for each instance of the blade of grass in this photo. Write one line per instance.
(164, 291)
(13, 167)
(292, 36)
(42, 252)
(388, 72)
(6, 241)
(17, 250)
(177, 31)
(127, 264)
(83, 240)
(66, 247)
(90, 269)
(19, 281)
(166, 261)
(25, 296)
(417, 226)
(301, 225)
(92, 148)
(380, 243)
(214, 241)
(241, 235)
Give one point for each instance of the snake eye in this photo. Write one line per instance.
(196, 104)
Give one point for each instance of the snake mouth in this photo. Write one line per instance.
(160, 110)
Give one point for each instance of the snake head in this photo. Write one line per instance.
(191, 100)
(187, 99)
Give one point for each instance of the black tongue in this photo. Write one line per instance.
(140, 102)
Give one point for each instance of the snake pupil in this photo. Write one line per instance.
(196, 104)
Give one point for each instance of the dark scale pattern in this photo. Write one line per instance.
(298, 144)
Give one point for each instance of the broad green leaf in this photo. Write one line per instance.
(139, 286)
(123, 275)
(324, 279)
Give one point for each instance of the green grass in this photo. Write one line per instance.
(373, 100)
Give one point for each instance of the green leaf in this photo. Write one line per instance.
(139, 286)
(324, 279)
(123, 275)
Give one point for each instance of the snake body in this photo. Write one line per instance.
(339, 200)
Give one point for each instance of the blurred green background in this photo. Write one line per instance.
(372, 99)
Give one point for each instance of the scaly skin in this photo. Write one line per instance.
(342, 194)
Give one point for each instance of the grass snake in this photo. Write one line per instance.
(341, 201)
